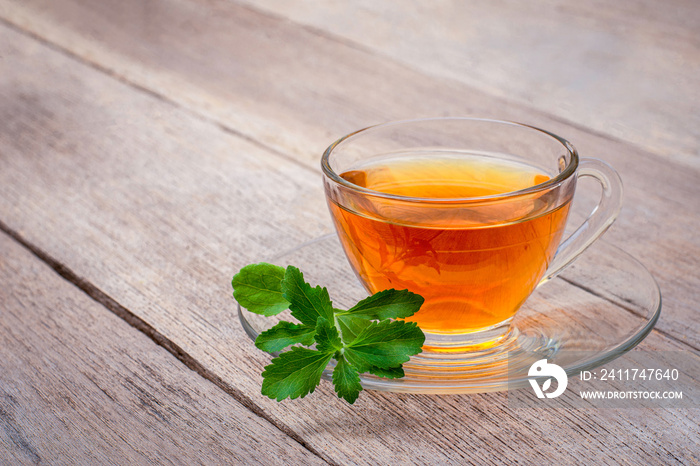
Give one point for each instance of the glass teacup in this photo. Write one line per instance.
(468, 213)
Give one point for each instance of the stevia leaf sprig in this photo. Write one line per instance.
(364, 338)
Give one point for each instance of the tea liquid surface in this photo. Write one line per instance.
(472, 277)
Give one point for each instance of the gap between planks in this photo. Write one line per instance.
(158, 338)
(161, 97)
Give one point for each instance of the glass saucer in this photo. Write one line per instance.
(599, 308)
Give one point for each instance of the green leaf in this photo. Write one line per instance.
(306, 303)
(346, 381)
(294, 373)
(284, 334)
(257, 287)
(388, 304)
(354, 337)
(392, 373)
(327, 337)
(384, 345)
(351, 326)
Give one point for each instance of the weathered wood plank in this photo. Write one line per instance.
(629, 69)
(80, 386)
(158, 208)
(295, 91)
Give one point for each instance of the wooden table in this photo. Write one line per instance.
(150, 148)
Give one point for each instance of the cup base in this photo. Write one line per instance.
(475, 341)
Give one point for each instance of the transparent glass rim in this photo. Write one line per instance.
(554, 182)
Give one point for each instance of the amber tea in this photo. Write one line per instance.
(473, 268)
(468, 213)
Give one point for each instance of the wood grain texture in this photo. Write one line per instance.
(294, 91)
(629, 69)
(80, 386)
(158, 207)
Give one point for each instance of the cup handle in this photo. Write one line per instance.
(600, 219)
